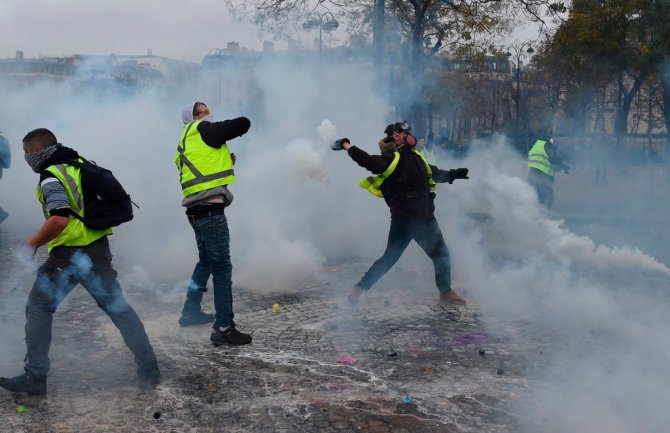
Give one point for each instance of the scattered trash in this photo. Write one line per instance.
(157, 415)
(500, 371)
(346, 360)
(392, 354)
(427, 370)
(21, 409)
(482, 352)
(474, 338)
(334, 269)
(406, 399)
(276, 308)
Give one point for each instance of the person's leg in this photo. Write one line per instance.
(54, 281)
(536, 182)
(398, 240)
(192, 313)
(3, 214)
(428, 235)
(549, 196)
(216, 241)
(100, 279)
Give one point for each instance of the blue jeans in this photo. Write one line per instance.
(426, 232)
(92, 267)
(213, 239)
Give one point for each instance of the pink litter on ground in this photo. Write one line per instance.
(346, 360)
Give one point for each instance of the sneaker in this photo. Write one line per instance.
(195, 317)
(149, 376)
(451, 297)
(231, 336)
(25, 383)
(353, 295)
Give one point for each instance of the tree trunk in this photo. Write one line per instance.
(666, 106)
(378, 42)
(417, 114)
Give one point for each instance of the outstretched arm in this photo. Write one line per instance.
(441, 176)
(376, 164)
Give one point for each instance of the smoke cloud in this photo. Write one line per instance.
(298, 208)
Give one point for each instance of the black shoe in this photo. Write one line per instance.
(231, 336)
(149, 376)
(195, 317)
(25, 383)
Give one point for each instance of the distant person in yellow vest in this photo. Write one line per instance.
(205, 170)
(543, 161)
(77, 255)
(426, 150)
(5, 162)
(406, 181)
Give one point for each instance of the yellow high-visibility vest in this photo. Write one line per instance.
(538, 158)
(75, 234)
(201, 167)
(373, 183)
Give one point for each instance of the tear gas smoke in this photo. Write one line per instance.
(297, 206)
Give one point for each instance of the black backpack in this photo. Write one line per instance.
(106, 203)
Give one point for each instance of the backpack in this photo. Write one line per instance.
(106, 203)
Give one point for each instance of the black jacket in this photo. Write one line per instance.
(215, 134)
(406, 190)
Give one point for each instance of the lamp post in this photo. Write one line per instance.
(325, 22)
(518, 53)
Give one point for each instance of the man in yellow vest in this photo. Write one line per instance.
(406, 181)
(205, 170)
(77, 254)
(543, 160)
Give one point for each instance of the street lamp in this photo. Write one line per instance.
(517, 101)
(325, 22)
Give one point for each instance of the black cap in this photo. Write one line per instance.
(396, 127)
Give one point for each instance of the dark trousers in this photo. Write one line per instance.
(543, 185)
(426, 232)
(213, 239)
(91, 266)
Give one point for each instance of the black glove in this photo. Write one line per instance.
(233, 157)
(458, 173)
(566, 169)
(337, 144)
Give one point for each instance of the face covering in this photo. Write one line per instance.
(35, 160)
(207, 118)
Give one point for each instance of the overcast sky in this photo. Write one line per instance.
(171, 28)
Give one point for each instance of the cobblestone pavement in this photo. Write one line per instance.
(420, 366)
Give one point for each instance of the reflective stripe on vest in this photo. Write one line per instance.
(75, 234)
(431, 182)
(201, 167)
(538, 158)
(373, 183)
